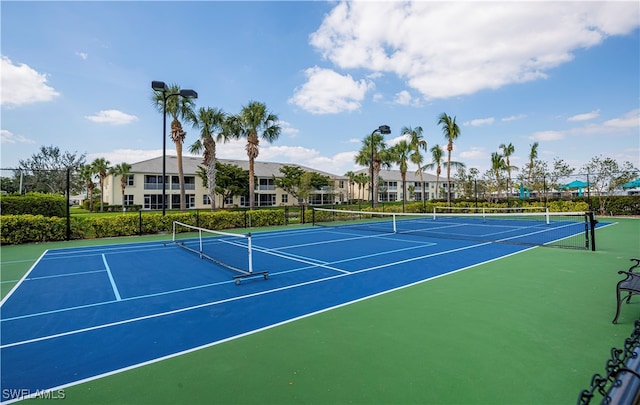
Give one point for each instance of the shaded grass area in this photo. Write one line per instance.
(531, 328)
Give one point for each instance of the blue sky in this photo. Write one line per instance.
(566, 75)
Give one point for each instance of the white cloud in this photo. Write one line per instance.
(113, 117)
(513, 118)
(547, 136)
(491, 46)
(474, 153)
(479, 122)
(328, 92)
(628, 120)
(405, 98)
(9, 137)
(82, 55)
(585, 117)
(22, 85)
(287, 129)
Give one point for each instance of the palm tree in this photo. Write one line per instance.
(210, 121)
(86, 175)
(451, 132)
(361, 179)
(373, 146)
(497, 166)
(417, 142)
(123, 170)
(401, 153)
(350, 175)
(533, 155)
(101, 167)
(507, 151)
(179, 108)
(254, 119)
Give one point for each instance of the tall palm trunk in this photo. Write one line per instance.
(252, 153)
(438, 172)
(178, 135)
(210, 163)
(376, 178)
(449, 149)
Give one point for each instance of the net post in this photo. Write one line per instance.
(592, 223)
(484, 215)
(200, 238)
(250, 250)
(547, 217)
(173, 235)
(434, 212)
(395, 229)
(313, 216)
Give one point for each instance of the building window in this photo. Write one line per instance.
(266, 184)
(152, 182)
(190, 201)
(228, 200)
(128, 199)
(206, 200)
(285, 198)
(152, 201)
(130, 180)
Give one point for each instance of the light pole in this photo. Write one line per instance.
(186, 93)
(384, 130)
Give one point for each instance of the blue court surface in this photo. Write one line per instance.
(87, 312)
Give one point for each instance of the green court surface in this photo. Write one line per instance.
(531, 328)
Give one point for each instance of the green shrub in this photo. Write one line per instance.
(48, 205)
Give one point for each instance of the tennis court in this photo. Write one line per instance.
(87, 312)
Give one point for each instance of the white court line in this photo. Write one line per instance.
(113, 283)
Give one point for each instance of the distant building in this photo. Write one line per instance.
(144, 186)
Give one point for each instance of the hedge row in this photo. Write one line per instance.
(49, 205)
(16, 229)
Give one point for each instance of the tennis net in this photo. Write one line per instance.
(229, 250)
(559, 229)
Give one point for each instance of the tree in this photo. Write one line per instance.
(10, 185)
(46, 171)
(361, 179)
(210, 121)
(123, 170)
(498, 165)
(351, 176)
(561, 170)
(401, 153)
(86, 174)
(451, 132)
(179, 108)
(507, 151)
(606, 175)
(231, 180)
(253, 122)
(436, 163)
(417, 142)
(533, 155)
(373, 146)
(101, 168)
(298, 182)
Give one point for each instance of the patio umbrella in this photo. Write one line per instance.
(632, 184)
(575, 184)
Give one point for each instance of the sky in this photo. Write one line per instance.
(77, 75)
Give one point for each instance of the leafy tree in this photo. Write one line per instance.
(253, 122)
(467, 180)
(451, 132)
(123, 170)
(10, 185)
(300, 183)
(101, 168)
(561, 170)
(210, 121)
(46, 171)
(231, 180)
(179, 108)
(374, 145)
(533, 155)
(606, 175)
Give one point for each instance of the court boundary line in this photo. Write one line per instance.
(241, 335)
(22, 279)
(111, 280)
